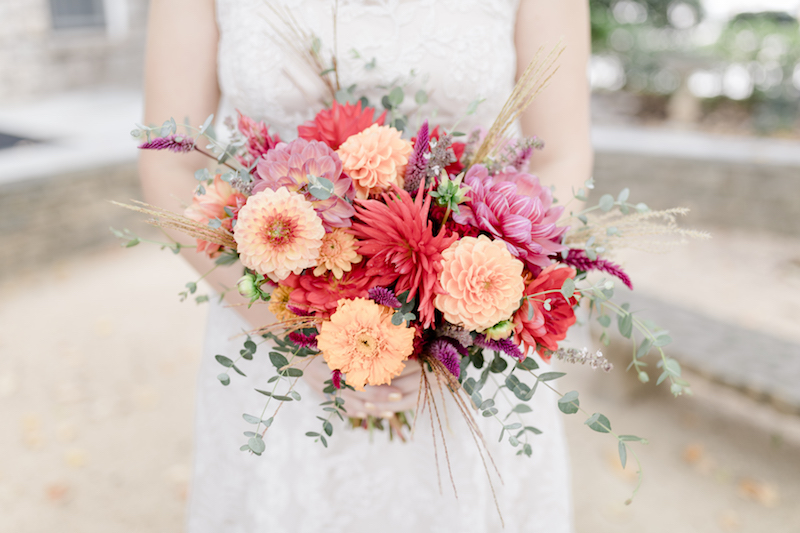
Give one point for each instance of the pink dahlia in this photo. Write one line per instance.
(398, 239)
(212, 205)
(278, 233)
(259, 141)
(333, 126)
(527, 224)
(290, 165)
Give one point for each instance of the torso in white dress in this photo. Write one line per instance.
(459, 50)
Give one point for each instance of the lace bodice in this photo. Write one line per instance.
(457, 50)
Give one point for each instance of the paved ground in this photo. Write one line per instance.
(97, 370)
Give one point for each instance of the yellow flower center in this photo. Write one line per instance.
(366, 344)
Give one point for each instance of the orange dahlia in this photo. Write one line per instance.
(278, 233)
(361, 341)
(398, 239)
(338, 253)
(482, 283)
(375, 159)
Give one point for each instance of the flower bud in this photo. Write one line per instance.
(501, 330)
(248, 287)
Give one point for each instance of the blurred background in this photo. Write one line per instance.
(696, 103)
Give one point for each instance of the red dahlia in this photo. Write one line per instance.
(398, 239)
(333, 126)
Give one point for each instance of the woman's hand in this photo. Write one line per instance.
(382, 400)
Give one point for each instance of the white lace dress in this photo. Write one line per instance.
(458, 50)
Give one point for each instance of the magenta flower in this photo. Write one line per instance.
(174, 143)
(259, 141)
(290, 165)
(514, 208)
(448, 354)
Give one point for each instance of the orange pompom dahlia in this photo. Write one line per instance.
(482, 282)
(361, 341)
(278, 233)
(375, 159)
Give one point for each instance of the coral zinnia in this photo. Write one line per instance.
(319, 294)
(278, 233)
(333, 126)
(361, 341)
(482, 283)
(398, 239)
(545, 327)
(211, 205)
(338, 253)
(290, 165)
(527, 224)
(375, 159)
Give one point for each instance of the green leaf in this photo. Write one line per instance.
(207, 123)
(278, 361)
(623, 195)
(598, 423)
(226, 259)
(513, 440)
(486, 404)
(250, 419)
(293, 372)
(192, 286)
(133, 242)
(632, 438)
(623, 453)
(224, 361)
(549, 376)
(529, 363)
(236, 368)
(521, 390)
(421, 97)
(250, 346)
(625, 323)
(457, 133)
(498, 364)
(606, 202)
(294, 394)
(604, 320)
(396, 96)
(397, 318)
(257, 445)
(644, 348)
(320, 188)
(522, 408)
(568, 288)
(225, 379)
(473, 106)
(323, 440)
(662, 340)
(328, 428)
(311, 434)
(569, 403)
(282, 398)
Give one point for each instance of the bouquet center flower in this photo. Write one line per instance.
(280, 231)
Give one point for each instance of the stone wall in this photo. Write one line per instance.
(37, 60)
(44, 220)
(728, 194)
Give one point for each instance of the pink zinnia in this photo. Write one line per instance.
(521, 215)
(290, 165)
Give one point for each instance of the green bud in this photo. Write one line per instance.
(248, 287)
(501, 330)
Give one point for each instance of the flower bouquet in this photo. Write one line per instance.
(375, 251)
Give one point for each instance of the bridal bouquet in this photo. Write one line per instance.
(374, 248)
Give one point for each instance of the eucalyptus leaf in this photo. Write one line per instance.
(224, 361)
(278, 361)
(568, 288)
(569, 403)
(250, 419)
(549, 376)
(257, 445)
(599, 423)
(625, 323)
(225, 379)
(623, 454)
(606, 202)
